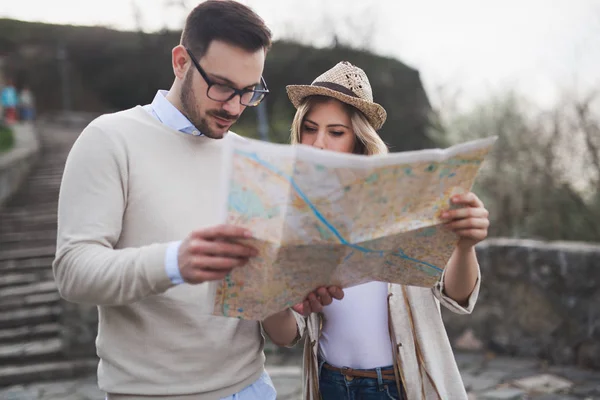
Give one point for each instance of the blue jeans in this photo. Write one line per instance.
(334, 385)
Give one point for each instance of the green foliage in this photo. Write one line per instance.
(7, 139)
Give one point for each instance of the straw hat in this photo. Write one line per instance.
(346, 83)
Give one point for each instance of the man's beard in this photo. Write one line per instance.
(188, 103)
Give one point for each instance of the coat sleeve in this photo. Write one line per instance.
(301, 325)
(450, 304)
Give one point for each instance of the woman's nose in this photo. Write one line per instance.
(320, 141)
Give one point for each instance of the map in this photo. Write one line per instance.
(322, 218)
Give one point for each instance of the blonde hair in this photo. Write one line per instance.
(368, 141)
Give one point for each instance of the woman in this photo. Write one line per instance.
(382, 341)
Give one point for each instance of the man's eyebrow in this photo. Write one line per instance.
(230, 82)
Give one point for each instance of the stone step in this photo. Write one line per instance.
(32, 215)
(54, 170)
(27, 333)
(23, 225)
(47, 193)
(49, 371)
(51, 189)
(31, 218)
(43, 178)
(10, 279)
(32, 264)
(52, 192)
(29, 301)
(15, 318)
(51, 182)
(35, 214)
(52, 174)
(47, 177)
(40, 188)
(24, 208)
(32, 198)
(20, 254)
(8, 237)
(19, 291)
(51, 164)
(26, 244)
(31, 351)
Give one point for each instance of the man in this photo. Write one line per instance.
(138, 181)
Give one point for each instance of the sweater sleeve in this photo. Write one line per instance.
(92, 201)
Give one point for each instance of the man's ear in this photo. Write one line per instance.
(180, 60)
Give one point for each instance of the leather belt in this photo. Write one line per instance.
(387, 373)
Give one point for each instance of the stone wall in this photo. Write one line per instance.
(537, 299)
(16, 163)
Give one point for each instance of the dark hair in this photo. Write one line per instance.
(225, 20)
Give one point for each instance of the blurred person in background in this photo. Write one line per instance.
(26, 104)
(9, 100)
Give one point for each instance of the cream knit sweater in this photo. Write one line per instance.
(130, 186)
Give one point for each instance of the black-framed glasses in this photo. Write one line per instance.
(223, 93)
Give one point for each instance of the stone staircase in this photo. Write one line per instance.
(31, 336)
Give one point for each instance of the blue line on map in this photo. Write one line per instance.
(312, 206)
(348, 256)
(321, 218)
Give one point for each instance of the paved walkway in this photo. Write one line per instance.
(485, 378)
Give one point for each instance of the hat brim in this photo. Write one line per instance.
(374, 112)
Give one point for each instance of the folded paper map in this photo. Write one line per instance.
(322, 218)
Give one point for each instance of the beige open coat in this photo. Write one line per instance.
(424, 359)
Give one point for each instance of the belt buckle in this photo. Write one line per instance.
(346, 372)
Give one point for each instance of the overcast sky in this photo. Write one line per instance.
(539, 47)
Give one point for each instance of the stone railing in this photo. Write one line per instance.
(537, 299)
(16, 163)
